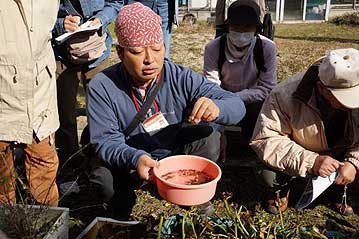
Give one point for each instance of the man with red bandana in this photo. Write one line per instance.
(116, 95)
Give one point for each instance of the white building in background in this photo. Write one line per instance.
(282, 10)
(309, 10)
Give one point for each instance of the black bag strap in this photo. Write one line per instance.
(71, 9)
(257, 52)
(258, 55)
(140, 116)
(221, 55)
(268, 27)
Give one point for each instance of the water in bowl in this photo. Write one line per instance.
(187, 177)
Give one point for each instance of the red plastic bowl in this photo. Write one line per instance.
(182, 194)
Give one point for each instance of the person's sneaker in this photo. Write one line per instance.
(276, 203)
(206, 209)
(343, 209)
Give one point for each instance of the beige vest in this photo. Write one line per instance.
(28, 101)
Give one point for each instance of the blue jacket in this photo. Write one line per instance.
(111, 109)
(105, 10)
(164, 8)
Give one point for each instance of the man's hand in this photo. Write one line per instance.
(204, 110)
(325, 165)
(71, 23)
(145, 165)
(346, 174)
(95, 22)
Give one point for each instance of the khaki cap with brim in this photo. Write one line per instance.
(339, 72)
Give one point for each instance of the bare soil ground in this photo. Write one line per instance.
(296, 50)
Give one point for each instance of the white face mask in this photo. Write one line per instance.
(241, 39)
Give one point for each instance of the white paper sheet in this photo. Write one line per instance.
(85, 27)
(316, 186)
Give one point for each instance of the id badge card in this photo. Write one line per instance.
(154, 123)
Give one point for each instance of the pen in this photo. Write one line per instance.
(72, 14)
(75, 14)
(67, 12)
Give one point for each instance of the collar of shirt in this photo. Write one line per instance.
(143, 88)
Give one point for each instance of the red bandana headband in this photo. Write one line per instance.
(138, 26)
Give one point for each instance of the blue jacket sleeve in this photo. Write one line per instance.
(231, 107)
(105, 135)
(59, 25)
(109, 13)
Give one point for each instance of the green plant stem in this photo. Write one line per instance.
(183, 226)
(220, 226)
(160, 228)
(229, 212)
(204, 229)
(86, 207)
(269, 229)
(242, 227)
(193, 229)
(75, 181)
(236, 230)
(281, 219)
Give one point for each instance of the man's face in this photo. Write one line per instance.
(329, 97)
(143, 63)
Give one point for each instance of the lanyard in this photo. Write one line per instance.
(140, 116)
(136, 103)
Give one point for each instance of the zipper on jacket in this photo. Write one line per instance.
(22, 12)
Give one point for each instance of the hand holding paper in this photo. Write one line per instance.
(316, 186)
(95, 22)
(346, 174)
(71, 23)
(88, 26)
(325, 165)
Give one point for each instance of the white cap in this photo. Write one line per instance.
(339, 72)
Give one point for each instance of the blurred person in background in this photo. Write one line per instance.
(78, 59)
(243, 61)
(168, 11)
(221, 14)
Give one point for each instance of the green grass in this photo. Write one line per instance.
(299, 45)
(111, 28)
(318, 32)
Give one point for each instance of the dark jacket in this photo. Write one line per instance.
(111, 109)
(105, 10)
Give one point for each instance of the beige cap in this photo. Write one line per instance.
(339, 72)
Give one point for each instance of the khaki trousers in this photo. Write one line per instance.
(41, 163)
